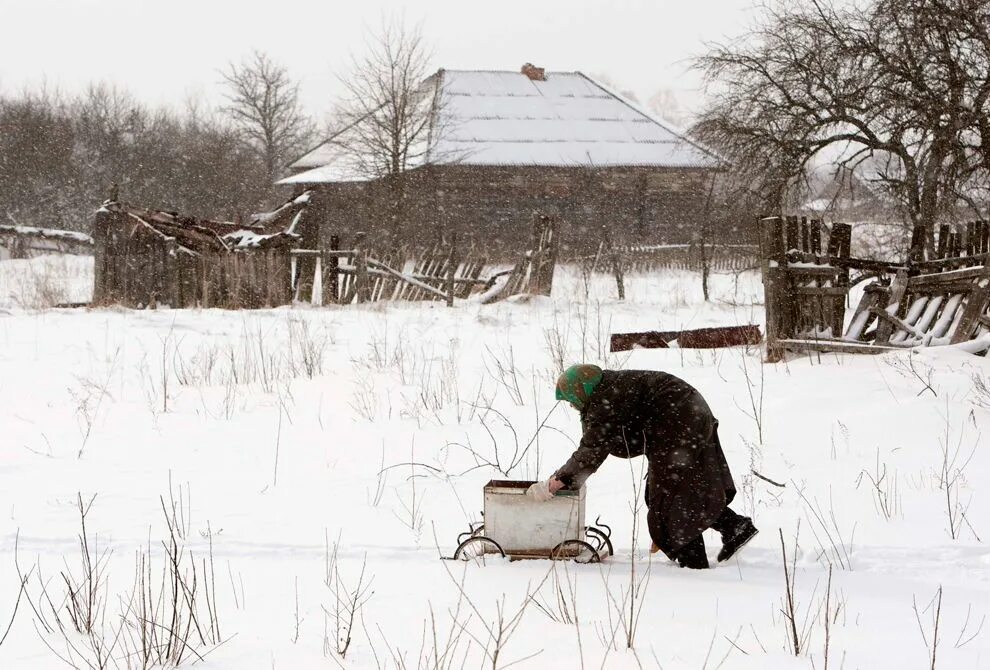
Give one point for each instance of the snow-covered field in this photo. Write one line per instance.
(309, 454)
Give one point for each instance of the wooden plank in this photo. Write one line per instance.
(330, 269)
(813, 270)
(816, 236)
(834, 346)
(964, 274)
(451, 269)
(976, 306)
(820, 291)
(900, 324)
(423, 286)
(849, 263)
(772, 264)
(840, 242)
(361, 287)
(699, 338)
(897, 289)
(861, 317)
(943, 241)
(805, 235)
(791, 234)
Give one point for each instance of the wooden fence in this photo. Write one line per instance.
(646, 258)
(146, 258)
(441, 272)
(943, 300)
(363, 275)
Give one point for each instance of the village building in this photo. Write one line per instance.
(506, 145)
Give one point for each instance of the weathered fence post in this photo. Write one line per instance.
(773, 262)
(451, 269)
(330, 264)
(101, 240)
(361, 287)
(839, 245)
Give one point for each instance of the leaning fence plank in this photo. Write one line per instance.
(897, 289)
(451, 270)
(976, 305)
(423, 286)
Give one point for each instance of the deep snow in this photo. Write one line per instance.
(285, 430)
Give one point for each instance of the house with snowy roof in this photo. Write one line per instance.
(508, 144)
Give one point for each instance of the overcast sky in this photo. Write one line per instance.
(166, 50)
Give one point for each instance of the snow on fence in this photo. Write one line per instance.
(29, 241)
(941, 301)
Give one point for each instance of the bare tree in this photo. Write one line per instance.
(390, 110)
(894, 88)
(263, 101)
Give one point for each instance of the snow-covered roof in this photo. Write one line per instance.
(506, 118)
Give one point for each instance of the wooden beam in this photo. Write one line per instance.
(835, 346)
(699, 338)
(899, 323)
(820, 290)
(945, 277)
(897, 290)
(976, 305)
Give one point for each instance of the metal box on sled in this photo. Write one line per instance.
(519, 527)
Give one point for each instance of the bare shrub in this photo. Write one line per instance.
(23, 579)
(412, 505)
(951, 477)
(503, 456)
(306, 348)
(347, 599)
(163, 621)
(628, 607)
(500, 629)
(89, 399)
(172, 618)
(834, 545)
(935, 607)
(883, 488)
(800, 625)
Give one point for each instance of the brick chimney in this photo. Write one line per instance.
(533, 72)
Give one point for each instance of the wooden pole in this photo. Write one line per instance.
(101, 241)
(840, 242)
(451, 269)
(362, 289)
(772, 263)
(330, 267)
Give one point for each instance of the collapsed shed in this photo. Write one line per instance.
(146, 258)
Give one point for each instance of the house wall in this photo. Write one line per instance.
(493, 206)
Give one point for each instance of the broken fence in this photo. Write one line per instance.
(937, 302)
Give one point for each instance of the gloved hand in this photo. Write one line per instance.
(540, 491)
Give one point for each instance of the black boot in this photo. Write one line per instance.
(736, 530)
(692, 555)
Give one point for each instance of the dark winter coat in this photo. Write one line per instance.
(642, 412)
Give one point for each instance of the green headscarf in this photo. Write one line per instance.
(577, 383)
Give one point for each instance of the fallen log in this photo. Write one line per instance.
(699, 338)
